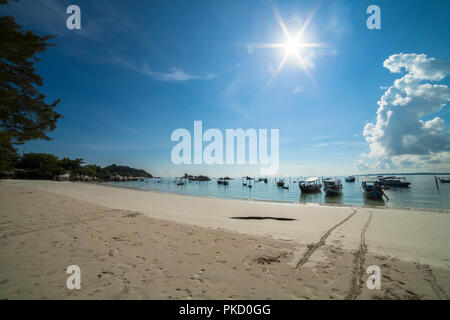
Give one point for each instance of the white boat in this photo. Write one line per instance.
(310, 185)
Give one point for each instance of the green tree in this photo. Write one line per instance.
(40, 165)
(24, 114)
(70, 165)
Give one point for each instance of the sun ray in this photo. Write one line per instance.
(278, 17)
(303, 64)
(280, 66)
(267, 45)
(307, 22)
(306, 69)
(314, 45)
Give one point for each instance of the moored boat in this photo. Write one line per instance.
(310, 185)
(373, 190)
(444, 180)
(280, 183)
(332, 186)
(350, 179)
(247, 181)
(393, 181)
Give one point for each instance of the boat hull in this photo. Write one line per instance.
(373, 194)
(396, 184)
(332, 191)
(373, 191)
(310, 189)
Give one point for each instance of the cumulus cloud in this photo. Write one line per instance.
(400, 136)
(361, 165)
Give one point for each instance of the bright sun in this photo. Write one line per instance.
(292, 46)
(295, 46)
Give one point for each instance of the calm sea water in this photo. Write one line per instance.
(422, 192)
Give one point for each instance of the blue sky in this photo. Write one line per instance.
(137, 70)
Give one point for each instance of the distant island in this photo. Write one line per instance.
(125, 171)
(46, 166)
(195, 178)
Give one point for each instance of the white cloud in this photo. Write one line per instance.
(361, 165)
(174, 74)
(399, 134)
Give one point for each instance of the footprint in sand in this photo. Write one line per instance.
(139, 257)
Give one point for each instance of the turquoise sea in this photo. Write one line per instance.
(422, 193)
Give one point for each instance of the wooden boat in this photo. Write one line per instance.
(373, 190)
(280, 183)
(444, 180)
(332, 186)
(226, 182)
(180, 183)
(310, 185)
(248, 182)
(220, 181)
(350, 179)
(393, 181)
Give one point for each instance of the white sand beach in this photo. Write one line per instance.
(133, 244)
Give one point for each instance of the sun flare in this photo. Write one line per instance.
(295, 45)
(292, 46)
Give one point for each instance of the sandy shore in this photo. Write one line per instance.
(151, 245)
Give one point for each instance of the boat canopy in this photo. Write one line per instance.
(370, 179)
(312, 179)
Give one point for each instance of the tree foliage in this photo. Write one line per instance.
(24, 114)
(47, 166)
(40, 166)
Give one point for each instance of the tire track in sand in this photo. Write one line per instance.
(321, 242)
(431, 278)
(21, 230)
(358, 263)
